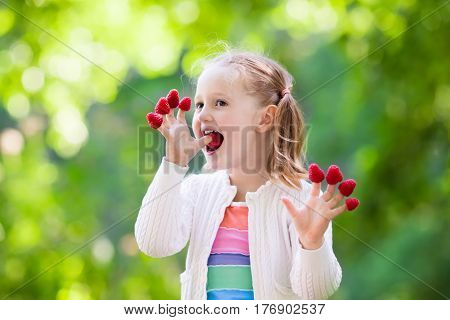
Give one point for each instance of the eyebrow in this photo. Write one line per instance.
(214, 94)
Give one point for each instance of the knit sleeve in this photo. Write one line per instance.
(164, 221)
(315, 274)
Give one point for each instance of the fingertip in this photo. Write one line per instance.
(339, 210)
(315, 190)
(203, 141)
(171, 113)
(180, 115)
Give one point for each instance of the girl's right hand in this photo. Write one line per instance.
(181, 147)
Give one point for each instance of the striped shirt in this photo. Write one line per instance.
(229, 273)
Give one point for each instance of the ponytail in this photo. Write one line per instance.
(285, 162)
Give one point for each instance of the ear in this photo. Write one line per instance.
(267, 118)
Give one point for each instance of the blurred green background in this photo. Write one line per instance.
(77, 156)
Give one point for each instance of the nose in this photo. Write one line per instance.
(205, 114)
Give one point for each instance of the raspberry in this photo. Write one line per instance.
(154, 120)
(185, 104)
(162, 107)
(334, 174)
(216, 140)
(351, 203)
(315, 173)
(347, 187)
(173, 98)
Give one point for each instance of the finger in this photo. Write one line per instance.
(203, 141)
(163, 130)
(335, 200)
(315, 190)
(165, 126)
(293, 212)
(170, 117)
(181, 116)
(337, 211)
(329, 192)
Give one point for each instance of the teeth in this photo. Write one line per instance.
(208, 131)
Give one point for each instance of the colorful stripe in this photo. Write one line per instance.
(235, 277)
(231, 241)
(235, 217)
(228, 258)
(229, 273)
(230, 295)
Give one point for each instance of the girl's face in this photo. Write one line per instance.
(221, 104)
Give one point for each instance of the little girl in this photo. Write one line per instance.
(257, 228)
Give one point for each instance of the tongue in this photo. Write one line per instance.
(215, 143)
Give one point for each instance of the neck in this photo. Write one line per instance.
(246, 182)
(254, 175)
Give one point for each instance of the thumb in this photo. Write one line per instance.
(290, 207)
(203, 141)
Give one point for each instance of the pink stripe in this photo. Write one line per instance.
(231, 241)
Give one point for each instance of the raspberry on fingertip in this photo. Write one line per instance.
(347, 187)
(334, 175)
(315, 173)
(351, 203)
(162, 106)
(173, 98)
(185, 104)
(155, 120)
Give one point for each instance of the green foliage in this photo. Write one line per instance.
(78, 77)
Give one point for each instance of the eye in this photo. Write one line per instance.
(198, 105)
(221, 103)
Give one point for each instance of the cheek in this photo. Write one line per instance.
(235, 138)
(195, 126)
(241, 132)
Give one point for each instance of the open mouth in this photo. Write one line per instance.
(217, 140)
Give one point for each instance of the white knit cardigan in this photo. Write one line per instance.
(176, 209)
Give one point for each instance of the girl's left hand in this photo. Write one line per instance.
(312, 219)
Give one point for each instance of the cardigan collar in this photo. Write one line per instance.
(225, 176)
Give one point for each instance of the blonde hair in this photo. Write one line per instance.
(271, 84)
